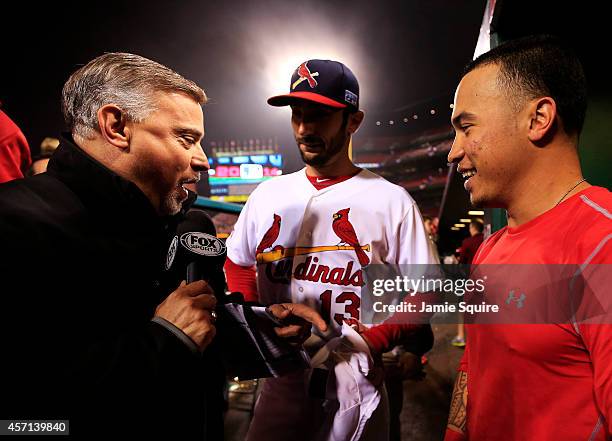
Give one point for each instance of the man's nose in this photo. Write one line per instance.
(199, 161)
(305, 128)
(456, 151)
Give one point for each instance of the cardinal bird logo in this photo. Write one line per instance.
(270, 236)
(305, 75)
(345, 231)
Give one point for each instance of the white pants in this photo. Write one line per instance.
(354, 409)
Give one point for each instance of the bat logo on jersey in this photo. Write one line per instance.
(305, 75)
(271, 235)
(341, 226)
(345, 231)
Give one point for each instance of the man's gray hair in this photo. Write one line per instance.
(127, 80)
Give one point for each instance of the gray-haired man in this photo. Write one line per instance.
(93, 336)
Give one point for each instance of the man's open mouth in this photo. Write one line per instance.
(466, 174)
(183, 182)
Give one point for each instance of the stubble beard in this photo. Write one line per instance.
(323, 158)
(172, 202)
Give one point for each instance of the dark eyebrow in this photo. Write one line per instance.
(461, 117)
(187, 131)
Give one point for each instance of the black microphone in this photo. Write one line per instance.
(200, 252)
(246, 341)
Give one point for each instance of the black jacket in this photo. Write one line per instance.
(81, 273)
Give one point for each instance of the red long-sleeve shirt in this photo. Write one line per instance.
(546, 382)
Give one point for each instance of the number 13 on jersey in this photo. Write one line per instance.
(347, 302)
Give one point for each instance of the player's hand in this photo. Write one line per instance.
(299, 320)
(190, 309)
(360, 328)
(376, 374)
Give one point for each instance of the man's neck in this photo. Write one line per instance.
(118, 163)
(544, 189)
(344, 167)
(98, 150)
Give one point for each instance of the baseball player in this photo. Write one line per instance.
(518, 113)
(310, 235)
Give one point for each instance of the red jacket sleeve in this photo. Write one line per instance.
(417, 339)
(14, 152)
(241, 279)
(410, 329)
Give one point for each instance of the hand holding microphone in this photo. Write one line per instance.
(197, 255)
(190, 308)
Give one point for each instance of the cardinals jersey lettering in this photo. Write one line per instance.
(310, 246)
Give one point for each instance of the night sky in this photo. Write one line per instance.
(240, 52)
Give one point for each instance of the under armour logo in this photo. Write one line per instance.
(520, 301)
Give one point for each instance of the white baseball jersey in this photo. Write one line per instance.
(310, 245)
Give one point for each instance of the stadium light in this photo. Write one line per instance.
(286, 47)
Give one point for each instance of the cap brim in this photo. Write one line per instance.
(285, 100)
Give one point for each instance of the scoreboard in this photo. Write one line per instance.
(233, 175)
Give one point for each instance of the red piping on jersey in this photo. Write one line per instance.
(328, 182)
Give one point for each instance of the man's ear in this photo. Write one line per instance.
(112, 124)
(542, 114)
(354, 121)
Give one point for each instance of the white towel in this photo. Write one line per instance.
(354, 386)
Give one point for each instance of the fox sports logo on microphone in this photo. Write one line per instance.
(203, 244)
